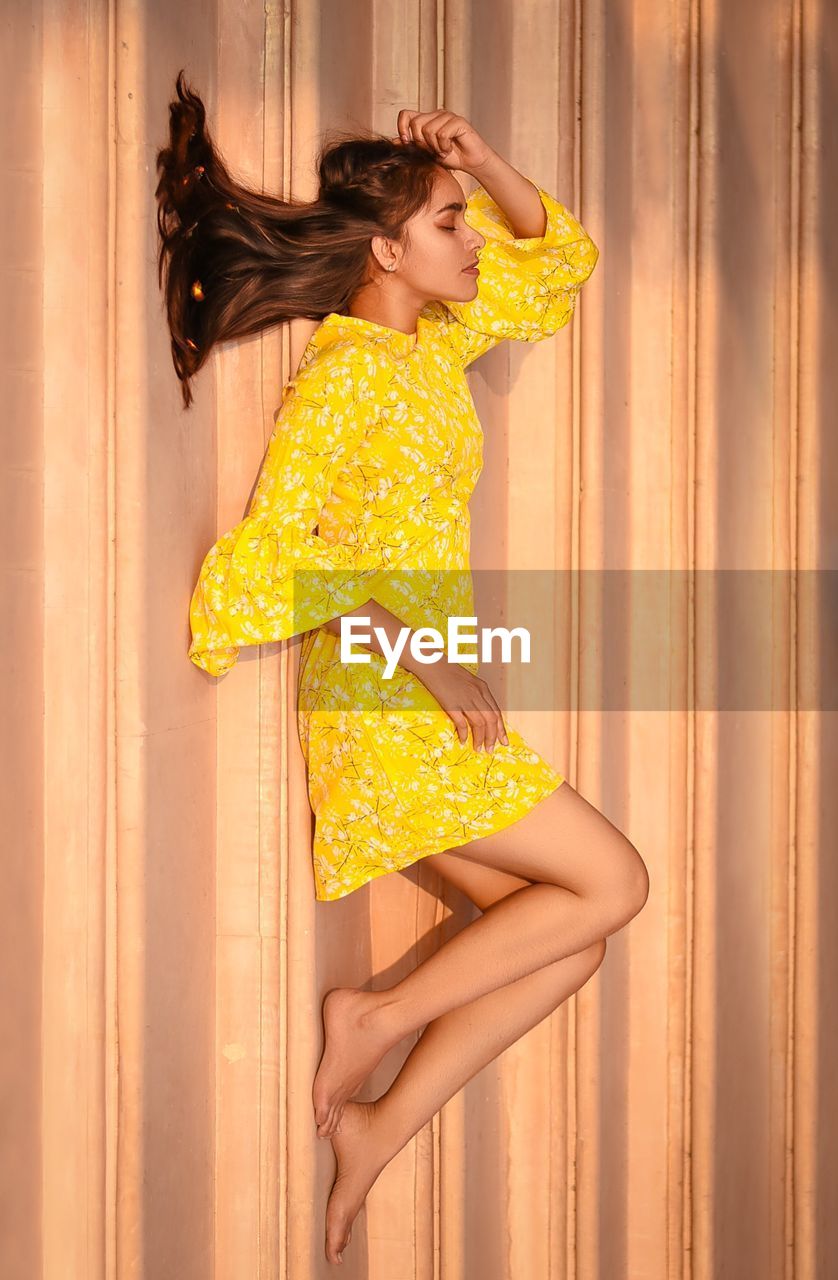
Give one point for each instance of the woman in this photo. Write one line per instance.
(378, 445)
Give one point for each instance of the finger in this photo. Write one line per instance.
(502, 738)
(480, 717)
(501, 724)
(445, 136)
(428, 137)
(498, 714)
(490, 716)
(429, 125)
(438, 131)
(477, 729)
(460, 725)
(412, 123)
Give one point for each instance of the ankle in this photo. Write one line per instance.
(388, 1131)
(385, 1018)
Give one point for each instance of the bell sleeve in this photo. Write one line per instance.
(527, 287)
(271, 576)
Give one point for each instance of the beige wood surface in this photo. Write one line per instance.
(163, 955)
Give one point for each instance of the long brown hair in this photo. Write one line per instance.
(233, 261)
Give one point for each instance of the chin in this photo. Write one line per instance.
(469, 287)
(466, 292)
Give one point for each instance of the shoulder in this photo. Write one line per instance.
(339, 368)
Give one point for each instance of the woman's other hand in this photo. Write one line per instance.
(468, 700)
(457, 143)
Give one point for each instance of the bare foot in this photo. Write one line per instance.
(359, 1162)
(354, 1044)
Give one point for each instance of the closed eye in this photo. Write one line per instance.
(448, 228)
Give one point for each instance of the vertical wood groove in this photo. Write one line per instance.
(673, 1119)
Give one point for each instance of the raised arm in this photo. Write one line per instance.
(536, 257)
(528, 285)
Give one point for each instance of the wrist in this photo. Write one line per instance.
(494, 163)
(409, 663)
(433, 675)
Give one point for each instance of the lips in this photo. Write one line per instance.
(472, 267)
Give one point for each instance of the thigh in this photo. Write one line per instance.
(483, 885)
(563, 840)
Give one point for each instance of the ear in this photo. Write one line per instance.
(382, 251)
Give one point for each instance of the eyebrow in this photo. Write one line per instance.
(455, 204)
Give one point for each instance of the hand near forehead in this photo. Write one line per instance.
(456, 143)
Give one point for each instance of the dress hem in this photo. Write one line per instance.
(505, 819)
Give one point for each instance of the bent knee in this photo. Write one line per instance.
(629, 895)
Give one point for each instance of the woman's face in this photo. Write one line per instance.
(442, 244)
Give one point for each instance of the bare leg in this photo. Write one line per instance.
(450, 1051)
(563, 839)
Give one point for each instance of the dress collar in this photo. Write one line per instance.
(396, 339)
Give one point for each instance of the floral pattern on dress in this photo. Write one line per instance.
(363, 494)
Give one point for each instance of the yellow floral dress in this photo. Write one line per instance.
(377, 444)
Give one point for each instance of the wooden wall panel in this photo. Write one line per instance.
(164, 954)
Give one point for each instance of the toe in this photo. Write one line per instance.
(334, 1250)
(330, 1124)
